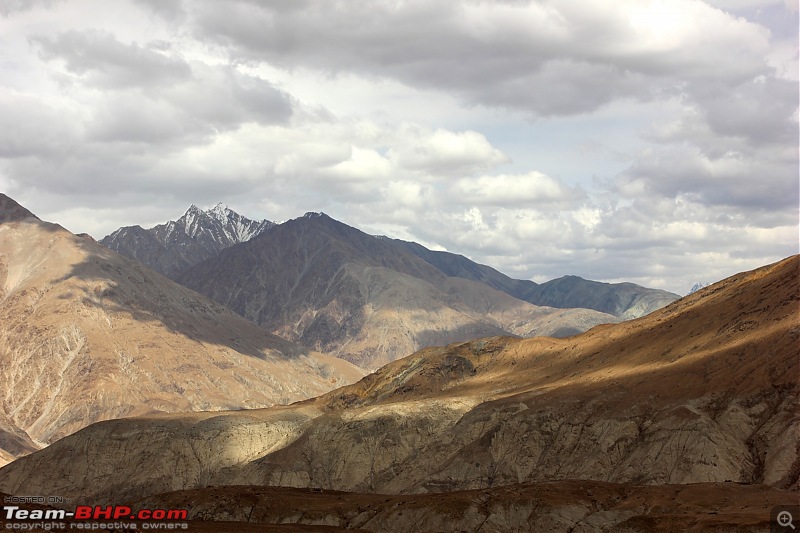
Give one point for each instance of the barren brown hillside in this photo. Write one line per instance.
(703, 391)
(88, 335)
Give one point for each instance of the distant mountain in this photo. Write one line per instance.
(624, 300)
(702, 391)
(696, 287)
(87, 335)
(314, 279)
(173, 247)
(369, 300)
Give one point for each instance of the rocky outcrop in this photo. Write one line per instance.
(704, 390)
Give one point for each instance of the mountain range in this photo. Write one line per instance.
(593, 432)
(623, 300)
(87, 335)
(341, 291)
(372, 299)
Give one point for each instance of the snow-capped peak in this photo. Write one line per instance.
(222, 213)
(220, 209)
(697, 286)
(219, 223)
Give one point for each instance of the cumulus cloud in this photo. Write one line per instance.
(444, 152)
(534, 190)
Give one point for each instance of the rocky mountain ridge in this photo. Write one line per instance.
(10, 210)
(174, 246)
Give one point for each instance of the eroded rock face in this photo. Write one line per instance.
(88, 335)
(702, 391)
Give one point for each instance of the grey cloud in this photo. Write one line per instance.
(258, 100)
(108, 63)
(11, 7)
(171, 10)
(131, 118)
(565, 87)
(149, 95)
(548, 58)
(29, 128)
(759, 110)
(732, 180)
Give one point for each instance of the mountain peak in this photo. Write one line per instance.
(696, 287)
(11, 210)
(173, 246)
(221, 209)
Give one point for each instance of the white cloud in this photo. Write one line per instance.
(533, 190)
(363, 164)
(444, 152)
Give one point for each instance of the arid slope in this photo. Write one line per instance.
(704, 390)
(88, 335)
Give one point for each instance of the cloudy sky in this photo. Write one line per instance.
(650, 141)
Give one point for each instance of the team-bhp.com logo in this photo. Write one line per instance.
(87, 517)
